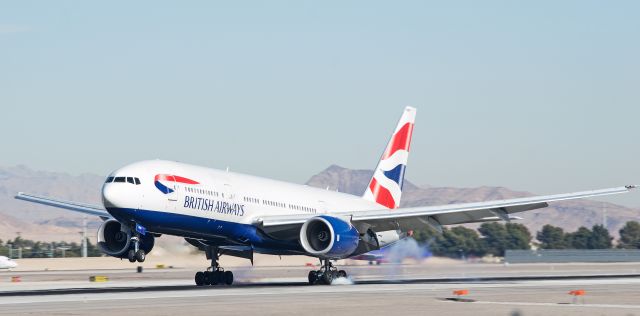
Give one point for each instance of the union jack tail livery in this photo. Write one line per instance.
(385, 187)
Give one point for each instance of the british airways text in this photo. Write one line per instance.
(214, 206)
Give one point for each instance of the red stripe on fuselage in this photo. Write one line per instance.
(169, 177)
(401, 140)
(184, 180)
(381, 194)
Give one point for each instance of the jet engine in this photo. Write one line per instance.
(114, 239)
(329, 237)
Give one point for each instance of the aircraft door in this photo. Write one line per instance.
(227, 190)
(322, 209)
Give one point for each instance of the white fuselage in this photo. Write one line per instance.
(171, 197)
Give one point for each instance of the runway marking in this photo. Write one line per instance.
(556, 304)
(289, 290)
(81, 287)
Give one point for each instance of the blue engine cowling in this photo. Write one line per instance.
(329, 237)
(114, 239)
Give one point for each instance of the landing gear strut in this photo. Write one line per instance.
(326, 274)
(214, 274)
(136, 254)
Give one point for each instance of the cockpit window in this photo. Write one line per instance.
(132, 180)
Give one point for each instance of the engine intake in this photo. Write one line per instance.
(329, 237)
(114, 239)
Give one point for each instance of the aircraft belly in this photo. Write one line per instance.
(201, 227)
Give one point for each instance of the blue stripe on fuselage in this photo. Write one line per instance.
(164, 189)
(200, 227)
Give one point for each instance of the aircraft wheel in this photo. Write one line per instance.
(199, 278)
(131, 255)
(327, 277)
(140, 255)
(228, 277)
(313, 277)
(214, 277)
(207, 277)
(342, 274)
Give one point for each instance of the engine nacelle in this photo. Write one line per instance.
(114, 239)
(329, 237)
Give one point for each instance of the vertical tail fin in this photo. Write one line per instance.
(385, 187)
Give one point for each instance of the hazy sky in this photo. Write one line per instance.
(542, 96)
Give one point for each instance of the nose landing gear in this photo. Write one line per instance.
(326, 274)
(136, 254)
(214, 274)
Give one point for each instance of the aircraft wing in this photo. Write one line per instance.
(436, 216)
(68, 205)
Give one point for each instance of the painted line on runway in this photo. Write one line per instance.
(218, 293)
(555, 304)
(161, 288)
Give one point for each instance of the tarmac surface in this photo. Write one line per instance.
(418, 289)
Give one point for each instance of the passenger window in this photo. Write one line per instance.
(118, 179)
(109, 180)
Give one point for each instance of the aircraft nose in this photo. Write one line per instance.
(113, 196)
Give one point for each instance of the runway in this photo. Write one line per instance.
(611, 289)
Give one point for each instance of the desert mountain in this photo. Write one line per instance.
(41, 222)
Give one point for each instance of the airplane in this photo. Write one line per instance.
(6, 263)
(227, 213)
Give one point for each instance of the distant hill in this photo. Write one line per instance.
(347, 180)
(570, 215)
(41, 222)
(47, 223)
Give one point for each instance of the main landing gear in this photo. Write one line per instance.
(136, 254)
(326, 274)
(214, 274)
